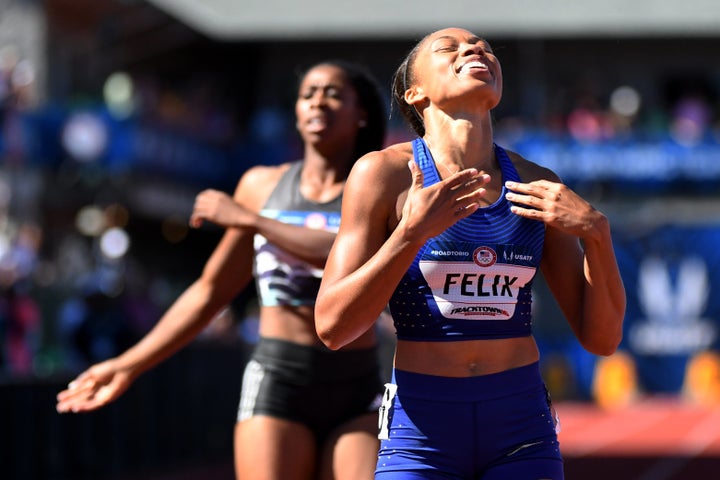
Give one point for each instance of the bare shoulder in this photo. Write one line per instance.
(264, 173)
(376, 189)
(257, 183)
(384, 167)
(530, 171)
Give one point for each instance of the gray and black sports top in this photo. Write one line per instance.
(282, 278)
(474, 280)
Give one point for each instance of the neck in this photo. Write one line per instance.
(326, 162)
(460, 142)
(323, 177)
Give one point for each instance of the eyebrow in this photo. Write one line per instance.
(473, 39)
(322, 85)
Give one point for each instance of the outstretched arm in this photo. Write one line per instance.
(104, 382)
(578, 262)
(226, 273)
(366, 263)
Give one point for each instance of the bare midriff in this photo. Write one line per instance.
(465, 358)
(296, 324)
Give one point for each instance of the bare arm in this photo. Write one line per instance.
(308, 244)
(366, 263)
(226, 273)
(578, 261)
(224, 276)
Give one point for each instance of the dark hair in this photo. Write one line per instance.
(405, 76)
(371, 137)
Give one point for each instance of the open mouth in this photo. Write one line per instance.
(316, 124)
(473, 65)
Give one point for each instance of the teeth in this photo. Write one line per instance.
(473, 64)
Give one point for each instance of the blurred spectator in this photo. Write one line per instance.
(17, 78)
(625, 104)
(20, 331)
(198, 108)
(93, 325)
(588, 121)
(691, 119)
(17, 94)
(249, 327)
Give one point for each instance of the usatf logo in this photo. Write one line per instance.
(674, 308)
(484, 256)
(512, 256)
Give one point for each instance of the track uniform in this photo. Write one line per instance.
(314, 386)
(471, 282)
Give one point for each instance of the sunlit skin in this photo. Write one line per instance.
(266, 448)
(388, 216)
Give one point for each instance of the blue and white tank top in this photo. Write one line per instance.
(474, 280)
(280, 277)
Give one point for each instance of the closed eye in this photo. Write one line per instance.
(446, 48)
(445, 44)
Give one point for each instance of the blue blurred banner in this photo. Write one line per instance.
(659, 159)
(641, 163)
(672, 279)
(638, 163)
(55, 135)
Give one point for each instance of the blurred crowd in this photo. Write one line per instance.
(73, 289)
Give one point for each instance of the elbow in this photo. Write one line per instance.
(604, 345)
(327, 336)
(602, 350)
(603, 334)
(325, 330)
(329, 340)
(336, 326)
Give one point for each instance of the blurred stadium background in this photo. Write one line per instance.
(115, 113)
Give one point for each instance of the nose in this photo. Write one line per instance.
(468, 48)
(318, 98)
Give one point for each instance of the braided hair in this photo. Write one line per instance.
(405, 76)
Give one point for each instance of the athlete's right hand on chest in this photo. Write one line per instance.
(428, 211)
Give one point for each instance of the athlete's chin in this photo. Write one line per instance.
(314, 137)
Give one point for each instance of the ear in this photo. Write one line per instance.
(362, 119)
(415, 96)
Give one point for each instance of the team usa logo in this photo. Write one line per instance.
(316, 220)
(484, 256)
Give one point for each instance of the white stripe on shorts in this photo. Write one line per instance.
(252, 378)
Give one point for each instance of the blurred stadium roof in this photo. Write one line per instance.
(316, 19)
